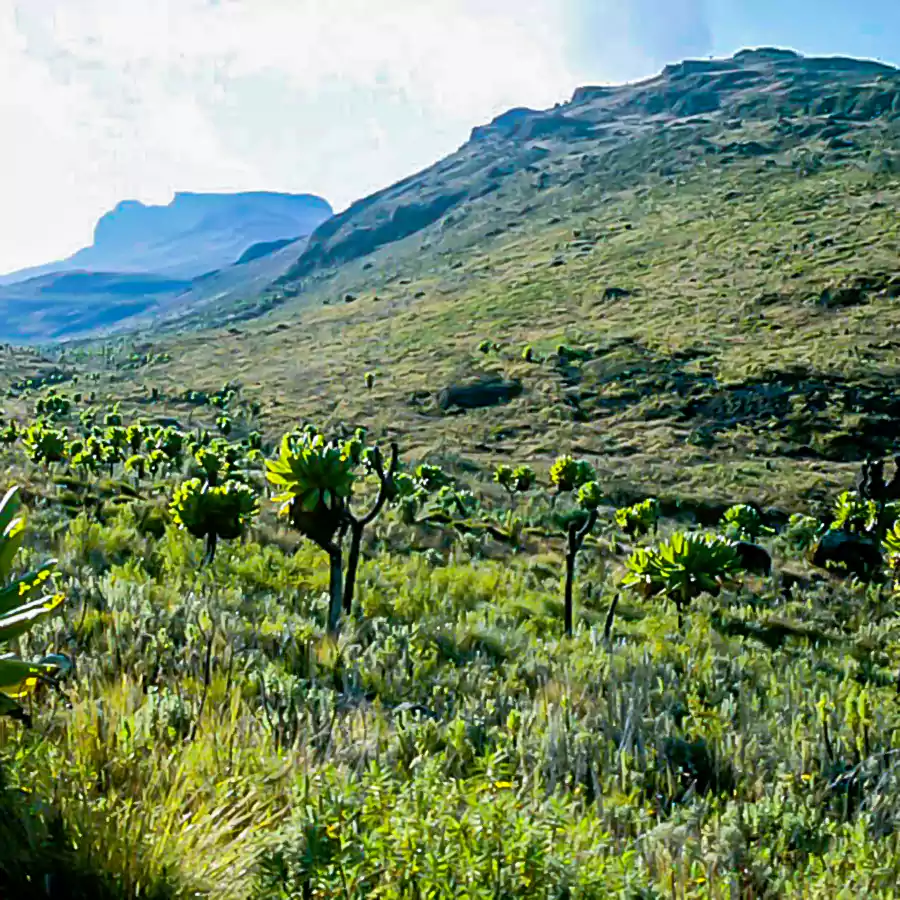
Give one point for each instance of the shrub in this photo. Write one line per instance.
(53, 406)
(452, 501)
(45, 445)
(9, 435)
(171, 442)
(113, 419)
(853, 514)
(590, 496)
(891, 547)
(136, 466)
(135, 436)
(213, 513)
(567, 473)
(432, 478)
(407, 495)
(520, 479)
(639, 519)
(317, 478)
(802, 532)
(90, 455)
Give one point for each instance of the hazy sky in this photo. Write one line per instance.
(103, 100)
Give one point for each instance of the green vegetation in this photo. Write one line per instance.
(263, 744)
(515, 479)
(214, 513)
(639, 519)
(683, 567)
(743, 522)
(623, 622)
(23, 601)
(317, 478)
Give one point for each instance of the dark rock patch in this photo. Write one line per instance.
(848, 554)
(479, 394)
(754, 558)
(856, 290)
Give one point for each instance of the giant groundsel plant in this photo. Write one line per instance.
(316, 478)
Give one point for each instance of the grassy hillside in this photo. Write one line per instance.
(213, 739)
(753, 356)
(728, 281)
(705, 309)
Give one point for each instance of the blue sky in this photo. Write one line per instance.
(867, 28)
(103, 100)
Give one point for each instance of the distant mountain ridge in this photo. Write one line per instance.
(152, 262)
(192, 235)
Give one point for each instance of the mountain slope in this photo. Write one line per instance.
(67, 305)
(727, 286)
(611, 126)
(58, 305)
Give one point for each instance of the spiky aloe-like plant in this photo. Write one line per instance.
(683, 567)
(854, 514)
(214, 513)
(316, 478)
(23, 602)
(743, 522)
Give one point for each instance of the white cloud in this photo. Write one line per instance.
(108, 99)
(77, 139)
